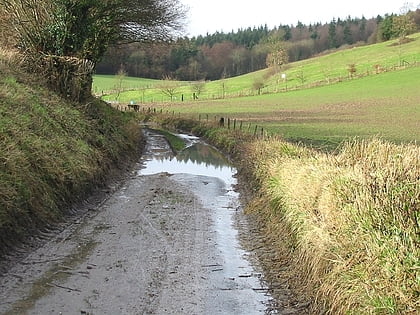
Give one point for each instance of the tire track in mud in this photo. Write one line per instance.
(160, 244)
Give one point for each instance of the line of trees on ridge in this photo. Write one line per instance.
(222, 55)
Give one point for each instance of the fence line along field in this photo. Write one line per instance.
(378, 101)
(386, 105)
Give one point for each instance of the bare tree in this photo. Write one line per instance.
(27, 20)
(169, 87)
(120, 80)
(197, 88)
(277, 55)
(301, 76)
(277, 58)
(223, 87)
(403, 25)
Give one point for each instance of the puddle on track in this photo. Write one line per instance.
(197, 159)
(148, 249)
(235, 283)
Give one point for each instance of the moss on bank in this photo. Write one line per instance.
(52, 152)
(348, 222)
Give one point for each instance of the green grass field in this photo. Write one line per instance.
(109, 83)
(326, 109)
(386, 105)
(306, 73)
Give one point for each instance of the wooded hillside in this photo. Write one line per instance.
(219, 55)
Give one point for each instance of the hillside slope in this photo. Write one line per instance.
(52, 152)
(334, 66)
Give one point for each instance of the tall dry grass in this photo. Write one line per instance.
(350, 221)
(8, 37)
(10, 58)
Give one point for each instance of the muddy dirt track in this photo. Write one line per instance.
(162, 243)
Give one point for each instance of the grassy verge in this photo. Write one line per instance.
(52, 152)
(352, 221)
(348, 222)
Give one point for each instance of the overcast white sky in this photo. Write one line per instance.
(227, 15)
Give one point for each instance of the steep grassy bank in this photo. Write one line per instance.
(52, 152)
(351, 221)
(348, 222)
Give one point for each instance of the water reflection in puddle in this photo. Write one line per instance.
(197, 159)
(212, 178)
